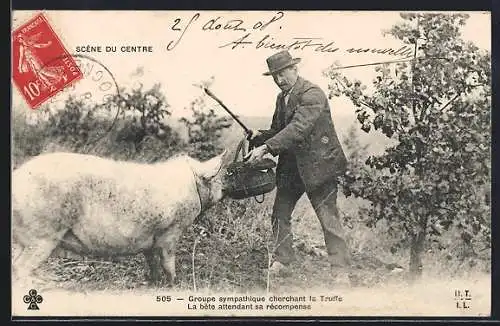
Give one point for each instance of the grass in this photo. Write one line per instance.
(228, 253)
(227, 249)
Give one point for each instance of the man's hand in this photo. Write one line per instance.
(254, 134)
(257, 154)
(253, 137)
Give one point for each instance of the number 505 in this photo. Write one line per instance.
(163, 298)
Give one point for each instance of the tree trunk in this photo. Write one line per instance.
(417, 248)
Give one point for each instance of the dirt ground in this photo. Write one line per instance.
(377, 289)
(379, 279)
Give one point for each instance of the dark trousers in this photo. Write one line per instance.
(324, 202)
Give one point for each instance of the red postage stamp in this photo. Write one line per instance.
(41, 64)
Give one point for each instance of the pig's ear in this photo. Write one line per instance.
(213, 166)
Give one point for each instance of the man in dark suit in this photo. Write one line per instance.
(310, 160)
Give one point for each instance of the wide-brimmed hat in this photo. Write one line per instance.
(280, 61)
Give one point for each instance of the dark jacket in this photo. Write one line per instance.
(303, 135)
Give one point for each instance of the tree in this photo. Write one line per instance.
(204, 128)
(143, 112)
(128, 126)
(355, 151)
(437, 107)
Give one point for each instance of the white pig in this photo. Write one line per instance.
(92, 205)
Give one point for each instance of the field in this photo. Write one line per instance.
(220, 262)
(227, 249)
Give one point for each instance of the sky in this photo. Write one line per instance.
(200, 52)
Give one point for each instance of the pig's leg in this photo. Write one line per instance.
(154, 275)
(167, 243)
(33, 255)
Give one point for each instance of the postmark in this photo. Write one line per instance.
(97, 87)
(33, 44)
(98, 91)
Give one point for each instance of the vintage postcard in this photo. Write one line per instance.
(251, 163)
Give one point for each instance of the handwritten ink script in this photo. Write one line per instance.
(248, 39)
(219, 23)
